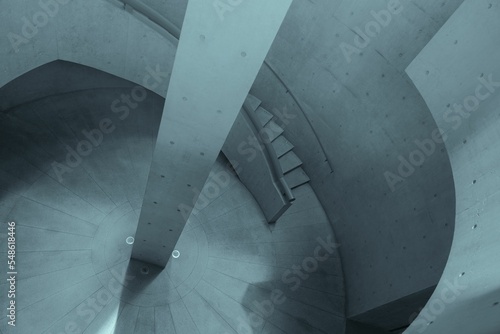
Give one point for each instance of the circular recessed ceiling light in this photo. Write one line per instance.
(176, 254)
(130, 240)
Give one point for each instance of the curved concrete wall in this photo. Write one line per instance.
(101, 35)
(361, 108)
(458, 74)
(236, 273)
(344, 97)
(368, 114)
(52, 78)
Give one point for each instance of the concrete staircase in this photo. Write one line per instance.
(291, 165)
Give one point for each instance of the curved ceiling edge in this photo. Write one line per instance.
(122, 45)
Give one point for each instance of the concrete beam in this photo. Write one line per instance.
(222, 47)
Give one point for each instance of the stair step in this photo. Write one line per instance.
(289, 162)
(253, 102)
(272, 131)
(296, 178)
(281, 146)
(263, 115)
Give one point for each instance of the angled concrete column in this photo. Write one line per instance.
(221, 49)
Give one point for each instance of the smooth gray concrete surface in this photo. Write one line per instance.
(366, 113)
(104, 36)
(176, 9)
(219, 54)
(460, 67)
(73, 259)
